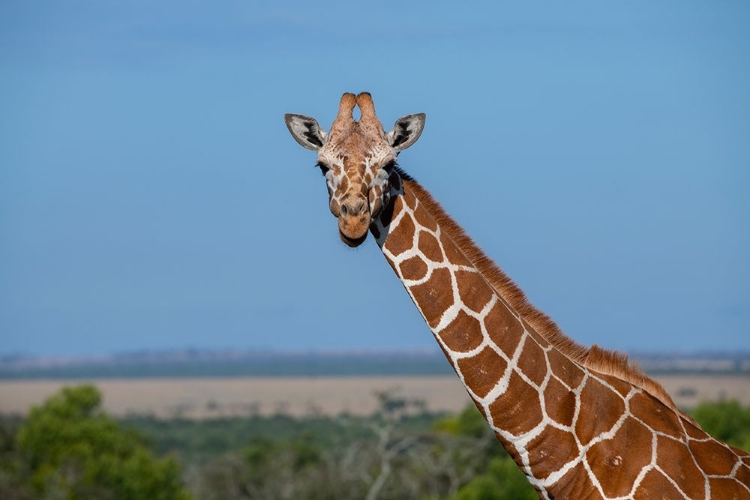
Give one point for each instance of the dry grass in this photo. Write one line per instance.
(214, 397)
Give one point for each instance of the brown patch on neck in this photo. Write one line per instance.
(603, 361)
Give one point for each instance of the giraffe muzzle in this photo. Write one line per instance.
(353, 207)
(354, 220)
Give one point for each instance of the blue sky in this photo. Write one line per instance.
(151, 197)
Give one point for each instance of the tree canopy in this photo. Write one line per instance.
(68, 448)
(75, 451)
(727, 421)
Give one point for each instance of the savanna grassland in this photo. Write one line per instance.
(69, 446)
(215, 397)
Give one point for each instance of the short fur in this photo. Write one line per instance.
(595, 358)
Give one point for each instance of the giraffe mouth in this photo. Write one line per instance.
(353, 242)
(353, 229)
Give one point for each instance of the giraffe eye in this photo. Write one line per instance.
(323, 168)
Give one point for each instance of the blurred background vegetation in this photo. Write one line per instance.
(68, 448)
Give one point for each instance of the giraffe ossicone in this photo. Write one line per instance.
(579, 422)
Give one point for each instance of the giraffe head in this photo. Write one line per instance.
(357, 159)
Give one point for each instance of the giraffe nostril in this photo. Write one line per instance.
(354, 207)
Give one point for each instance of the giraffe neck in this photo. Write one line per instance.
(566, 426)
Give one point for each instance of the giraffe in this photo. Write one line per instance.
(579, 422)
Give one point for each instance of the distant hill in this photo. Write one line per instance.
(227, 363)
(236, 363)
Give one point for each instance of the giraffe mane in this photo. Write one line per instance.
(595, 358)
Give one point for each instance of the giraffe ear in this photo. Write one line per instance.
(305, 131)
(406, 131)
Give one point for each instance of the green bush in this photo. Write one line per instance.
(503, 481)
(74, 451)
(727, 421)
